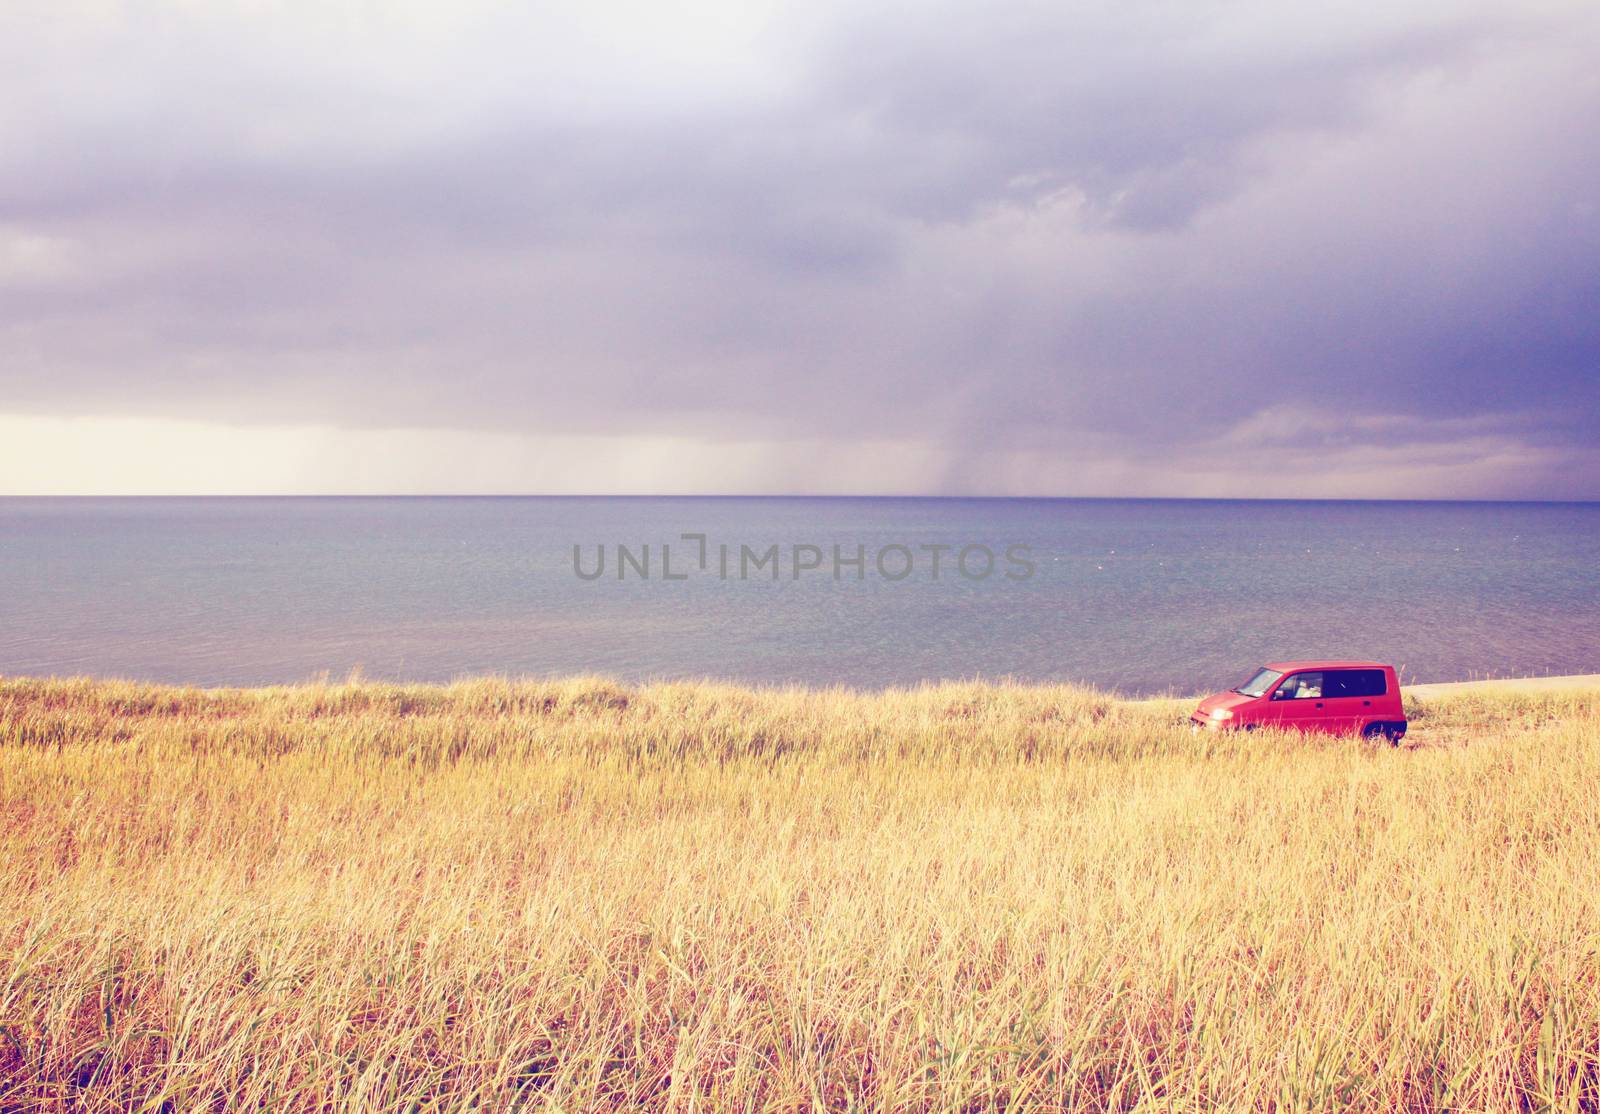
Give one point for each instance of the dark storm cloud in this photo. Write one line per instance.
(1024, 226)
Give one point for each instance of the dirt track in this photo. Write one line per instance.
(1504, 685)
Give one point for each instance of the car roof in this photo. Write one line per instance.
(1291, 666)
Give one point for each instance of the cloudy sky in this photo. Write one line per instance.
(1189, 248)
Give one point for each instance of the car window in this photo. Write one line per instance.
(1260, 684)
(1301, 686)
(1354, 682)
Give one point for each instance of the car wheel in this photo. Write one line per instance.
(1382, 731)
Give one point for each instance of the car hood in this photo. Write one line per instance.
(1224, 700)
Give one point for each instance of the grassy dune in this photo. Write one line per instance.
(576, 895)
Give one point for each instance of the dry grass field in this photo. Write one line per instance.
(579, 896)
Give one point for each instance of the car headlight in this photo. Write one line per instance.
(1222, 713)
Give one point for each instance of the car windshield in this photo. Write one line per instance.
(1260, 683)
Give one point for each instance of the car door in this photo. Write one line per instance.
(1296, 703)
(1346, 699)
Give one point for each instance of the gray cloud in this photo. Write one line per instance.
(1029, 227)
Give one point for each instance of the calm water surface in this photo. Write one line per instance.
(1138, 595)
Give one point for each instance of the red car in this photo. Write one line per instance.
(1339, 697)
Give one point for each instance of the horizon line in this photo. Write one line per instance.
(802, 495)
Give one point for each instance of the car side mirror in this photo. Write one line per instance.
(1281, 694)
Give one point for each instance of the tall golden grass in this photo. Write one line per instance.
(581, 896)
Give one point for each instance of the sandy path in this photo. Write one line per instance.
(1505, 685)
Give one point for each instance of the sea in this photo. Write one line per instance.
(1137, 596)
